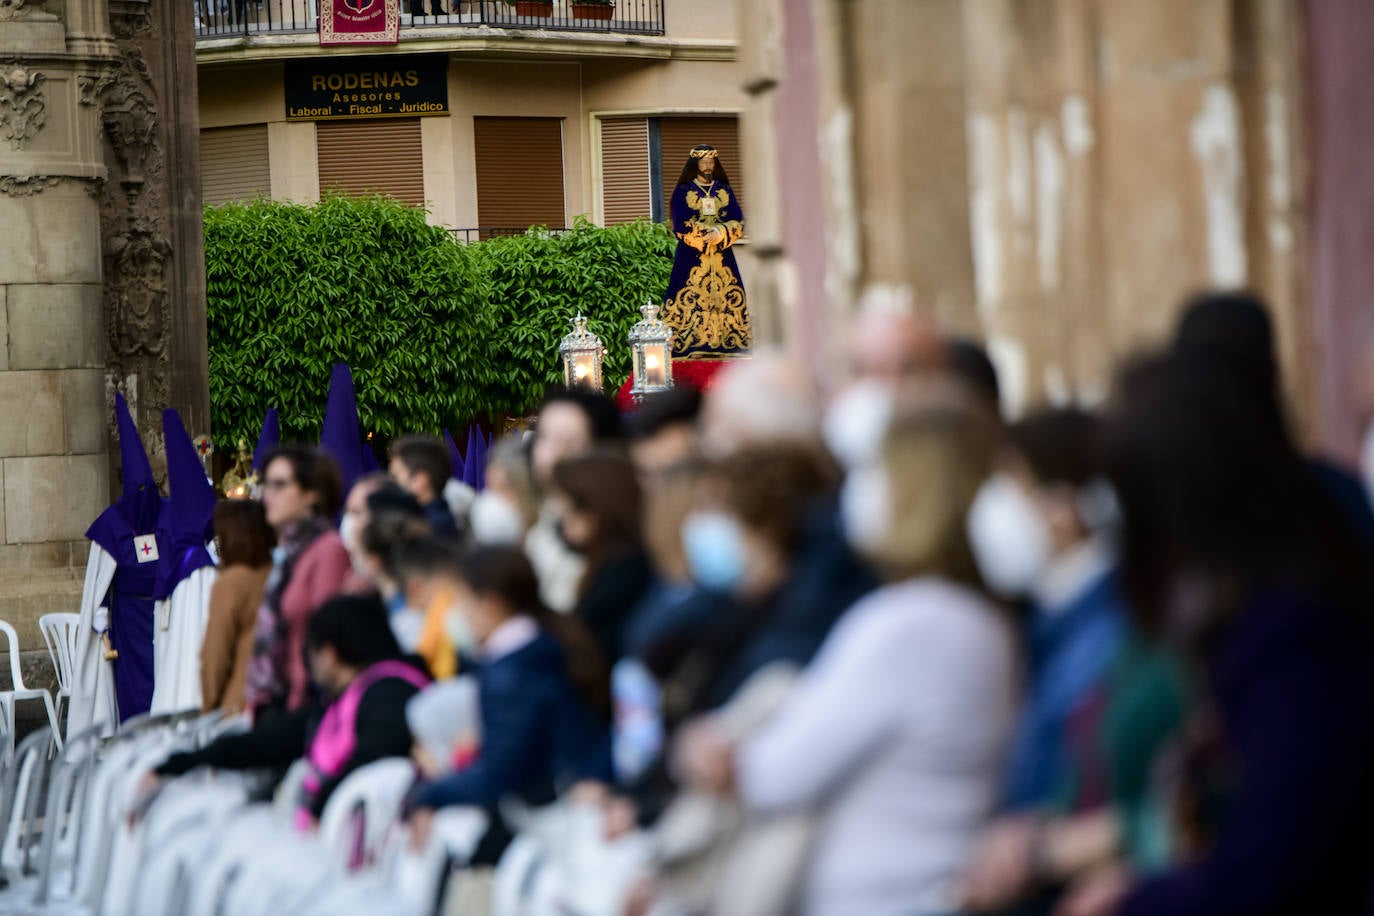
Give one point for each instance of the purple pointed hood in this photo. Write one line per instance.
(455, 457)
(267, 439)
(470, 458)
(479, 473)
(339, 438)
(139, 506)
(187, 520)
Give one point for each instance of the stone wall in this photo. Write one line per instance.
(1052, 176)
(101, 276)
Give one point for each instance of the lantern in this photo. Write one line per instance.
(652, 343)
(582, 353)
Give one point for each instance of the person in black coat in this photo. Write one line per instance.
(350, 648)
(539, 677)
(600, 507)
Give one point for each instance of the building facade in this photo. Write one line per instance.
(493, 117)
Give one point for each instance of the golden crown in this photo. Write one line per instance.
(709, 152)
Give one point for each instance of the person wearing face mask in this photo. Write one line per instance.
(1269, 594)
(1041, 529)
(506, 508)
(424, 569)
(357, 669)
(356, 516)
(571, 422)
(1031, 535)
(897, 730)
(538, 678)
(599, 506)
(392, 525)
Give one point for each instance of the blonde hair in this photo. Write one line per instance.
(938, 450)
(510, 455)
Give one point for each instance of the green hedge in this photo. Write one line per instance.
(436, 332)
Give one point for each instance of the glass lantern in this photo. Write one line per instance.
(582, 353)
(651, 341)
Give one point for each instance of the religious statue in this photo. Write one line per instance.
(705, 302)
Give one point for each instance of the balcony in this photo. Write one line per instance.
(248, 18)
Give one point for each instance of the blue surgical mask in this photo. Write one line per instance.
(714, 544)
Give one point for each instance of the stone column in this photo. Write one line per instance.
(53, 442)
(151, 222)
(102, 280)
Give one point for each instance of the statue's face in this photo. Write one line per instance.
(706, 167)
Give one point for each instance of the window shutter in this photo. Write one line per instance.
(372, 157)
(625, 189)
(234, 163)
(519, 172)
(677, 136)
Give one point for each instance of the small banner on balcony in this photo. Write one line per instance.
(360, 22)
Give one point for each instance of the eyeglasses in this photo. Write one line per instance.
(277, 484)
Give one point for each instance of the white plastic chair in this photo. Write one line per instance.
(9, 698)
(60, 632)
(376, 791)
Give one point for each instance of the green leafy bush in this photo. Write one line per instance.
(436, 332)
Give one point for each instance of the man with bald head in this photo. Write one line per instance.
(893, 345)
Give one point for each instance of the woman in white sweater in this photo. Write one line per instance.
(896, 734)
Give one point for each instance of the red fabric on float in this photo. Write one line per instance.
(690, 373)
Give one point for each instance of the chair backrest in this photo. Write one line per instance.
(12, 644)
(66, 818)
(375, 792)
(24, 798)
(60, 632)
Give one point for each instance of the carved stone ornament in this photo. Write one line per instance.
(23, 106)
(27, 185)
(11, 10)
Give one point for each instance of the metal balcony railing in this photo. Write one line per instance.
(235, 18)
(486, 232)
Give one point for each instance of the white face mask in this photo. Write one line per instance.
(348, 531)
(495, 520)
(460, 631)
(856, 421)
(1009, 537)
(866, 509)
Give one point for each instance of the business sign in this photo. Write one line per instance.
(385, 86)
(360, 22)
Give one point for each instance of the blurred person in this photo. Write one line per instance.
(446, 721)
(244, 543)
(663, 446)
(301, 497)
(571, 422)
(744, 543)
(355, 518)
(508, 506)
(1033, 543)
(1233, 550)
(423, 570)
(420, 464)
(539, 734)
(356, 667)
(895, 735)
(1235, 330)
(969, 362)
(663, 431)
(1099, 703)
(763, 399)
(391, 526)
(598, 501)
(890, 348)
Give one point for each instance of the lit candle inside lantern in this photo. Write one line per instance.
(653, 367)
(581, 370)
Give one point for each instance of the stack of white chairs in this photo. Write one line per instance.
(60, 632)
(19, 692)
(201, 848)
